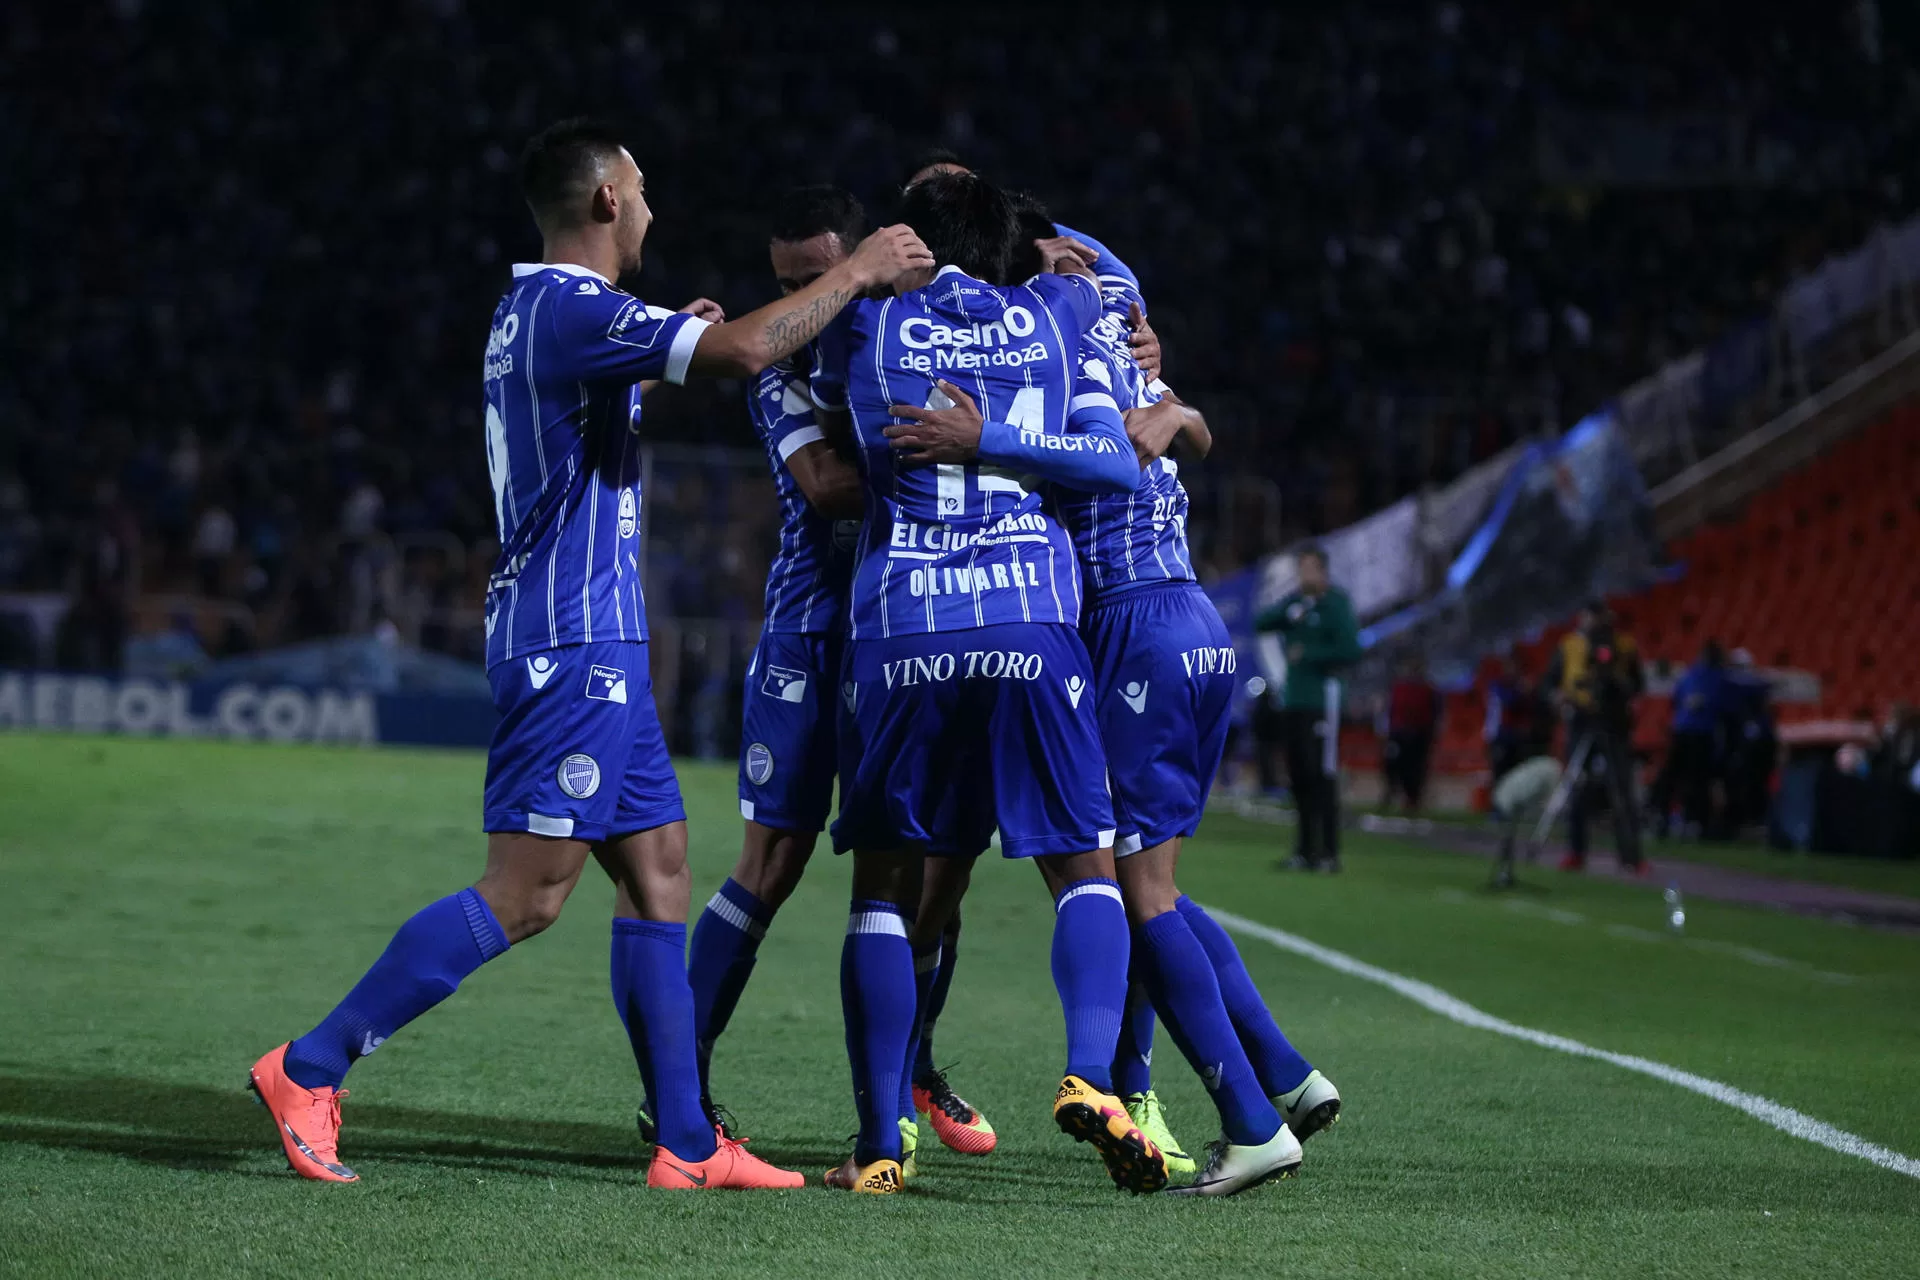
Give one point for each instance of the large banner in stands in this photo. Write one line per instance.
(1570, 522)
(239, 710)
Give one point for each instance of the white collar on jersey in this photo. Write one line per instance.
(949, 268)
(565, 268)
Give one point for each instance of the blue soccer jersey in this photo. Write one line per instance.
(807, 581)
(962, 545)
(1126, 540)
(1111, 270)
(566, 354)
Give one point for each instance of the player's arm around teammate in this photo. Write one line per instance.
(578, 764)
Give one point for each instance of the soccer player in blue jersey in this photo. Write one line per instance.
(1164, 670)
(788, 756)
(578, 765)
(787, 752)
(965, 688)
(957, 1122)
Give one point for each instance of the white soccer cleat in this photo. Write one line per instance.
(1313, 1106)
(1231, 1168)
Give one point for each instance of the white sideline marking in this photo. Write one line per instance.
(1633, 933)
(1765, 1110)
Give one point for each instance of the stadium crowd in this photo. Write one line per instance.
(250, 284)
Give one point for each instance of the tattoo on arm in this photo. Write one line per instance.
(793, 330)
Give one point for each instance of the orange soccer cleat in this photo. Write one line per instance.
(730, 1167)
(308, 1119)
(957, 1122)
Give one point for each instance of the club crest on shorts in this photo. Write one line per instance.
(607, 684)
(579, 776)
(759, 764)
(785, 684)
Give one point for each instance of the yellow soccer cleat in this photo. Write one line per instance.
(1086, 1114)
(881, 1178)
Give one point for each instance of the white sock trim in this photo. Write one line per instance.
(728, 910)
(877, 922)
(1104, 890)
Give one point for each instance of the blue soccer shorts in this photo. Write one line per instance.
(578, 753)
(787, 731)
(944, 737)
(1164, 671)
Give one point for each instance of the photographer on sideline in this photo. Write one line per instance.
(1594, 678)
(1317, 625)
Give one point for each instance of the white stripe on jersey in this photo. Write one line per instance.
(886, 393)
(513, 605)
(533, 394)
(593, 527)
(619, 606)
(553, 563)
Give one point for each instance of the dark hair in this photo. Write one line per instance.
(929, 158)
(1034, 224)
(801, 213)
(966, 221)
(563, 161)
(1314, 551)
(1712, 654)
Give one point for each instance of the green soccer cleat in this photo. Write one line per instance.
(1314, 1106)
(1144, 1110)
(909, 1144)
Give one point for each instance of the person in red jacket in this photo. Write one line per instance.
(1413, 721)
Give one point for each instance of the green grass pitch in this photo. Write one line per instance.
(174, 909)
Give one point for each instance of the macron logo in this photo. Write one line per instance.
(1075, 687)
(587, 287)
(540, 670)
(1135, 696)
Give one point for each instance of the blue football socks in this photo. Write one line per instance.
(1133, 1056)
(1278, 1064)
(1090, 950)
(649, 974)
(1180, 977)
(443, 943)
(936, 1001)
(926, 974)
(725, 941)
(877, 995)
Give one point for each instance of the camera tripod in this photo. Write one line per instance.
(1587, 738)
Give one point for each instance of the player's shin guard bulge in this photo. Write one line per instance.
(308, 1120)
(1087, 1114)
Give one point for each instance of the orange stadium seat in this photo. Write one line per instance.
(1821, 572)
